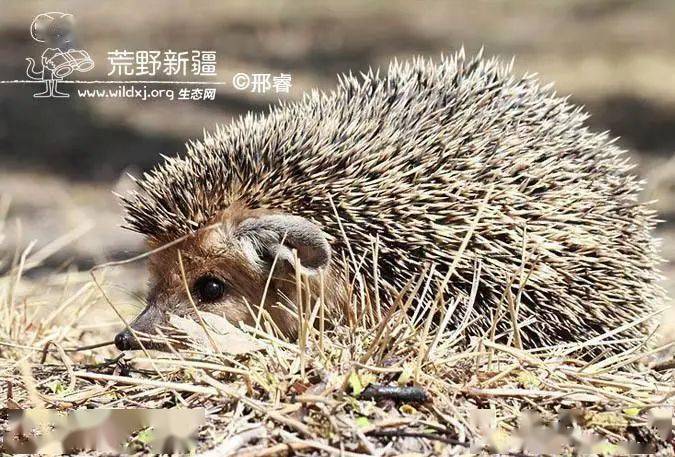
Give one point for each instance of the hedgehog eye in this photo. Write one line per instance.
(209, 289)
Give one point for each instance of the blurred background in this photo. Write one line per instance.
(60, 159)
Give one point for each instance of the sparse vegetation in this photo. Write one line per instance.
(314, 396)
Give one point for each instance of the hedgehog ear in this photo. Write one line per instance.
(276, 235)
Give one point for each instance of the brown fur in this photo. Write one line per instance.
(215, 251)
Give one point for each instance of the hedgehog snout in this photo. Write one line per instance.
(123, 340)
(144, 324)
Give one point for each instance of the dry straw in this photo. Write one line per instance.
(305, 396)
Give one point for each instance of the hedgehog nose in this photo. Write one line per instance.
(123, 340)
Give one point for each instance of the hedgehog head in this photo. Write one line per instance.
(242, 261)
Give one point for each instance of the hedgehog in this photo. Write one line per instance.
(452, 165)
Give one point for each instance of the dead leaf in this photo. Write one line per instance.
(227, 338)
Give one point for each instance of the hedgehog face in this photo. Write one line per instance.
(229, 269)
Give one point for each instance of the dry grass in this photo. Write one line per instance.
(314, 396)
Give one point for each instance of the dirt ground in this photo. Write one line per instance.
(60, 160)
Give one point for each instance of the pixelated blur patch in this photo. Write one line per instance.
(50, 432)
